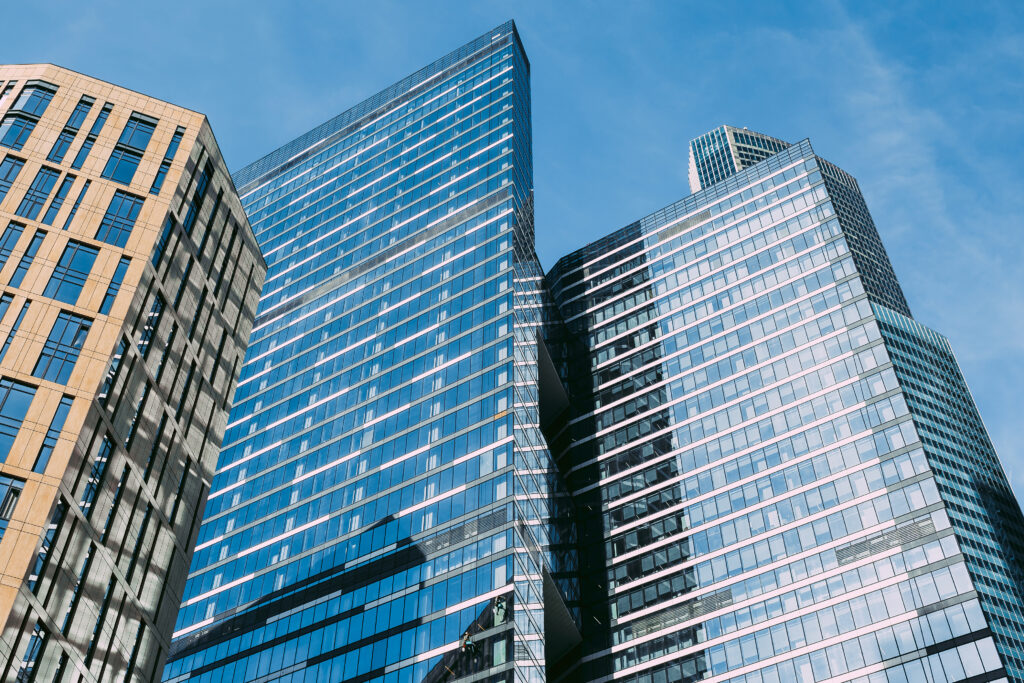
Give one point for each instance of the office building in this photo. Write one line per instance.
(385, 504)
(725, 151)
(711, 446)
(129, 278)
(781, 475)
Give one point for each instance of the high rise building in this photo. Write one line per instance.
(725, 151)
(385, 506)
(781, 475)
(129, 278)
(713, 445)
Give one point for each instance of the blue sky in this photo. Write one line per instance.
(923, 103)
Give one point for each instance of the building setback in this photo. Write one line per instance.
(129, 279)
(385, 504)
(781, 475)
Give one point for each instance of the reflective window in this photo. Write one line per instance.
(15, 398)
(71, 272)
(58, 200)
(38, 192)
(52, 434)
(27, 258)
(90, 139)
(115, 285)
(127, 154)
(61, 349)
(120, 218)
(9, 169)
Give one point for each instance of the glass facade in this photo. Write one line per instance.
(385, 507)
(726, 150)
(787, 477)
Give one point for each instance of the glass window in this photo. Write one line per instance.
(74, 207)
(120, 219)
(9, 169)
(50, 440)
(15, 129)
(26, 260)
(18, 124)
(71, 271)
(61, 349)
(44, 551)
(82, 110)
(58, 199)
(115, 285)
(137, 132)
(7, 92)
(10, 491)
(15, 398)
(8, 240)
(97, 126)
(122, 165)
(152, 322)
(14, 330)
(99, 468)
(165, 165)
(34, 98)
(5, 303)
(61, 146)
(38, 192)
(161, 244)
(125, 158)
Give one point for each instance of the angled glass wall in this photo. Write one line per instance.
(381, 509)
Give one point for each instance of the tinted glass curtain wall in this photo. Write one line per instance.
(380, 508)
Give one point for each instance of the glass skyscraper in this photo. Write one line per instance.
(385, 504)
(719, 153)
(711, 446)
(788, 477)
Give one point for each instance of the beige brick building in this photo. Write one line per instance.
(129, 279)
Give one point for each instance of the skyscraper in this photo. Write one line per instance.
(725, 151)
(129, 280)
(713, 445)
(383, 506)
(787, 475)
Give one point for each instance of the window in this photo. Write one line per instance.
(61, 349)
(122, 165)
(67, 136)
(161, 244)
(120, 219)
(26, 260)
(202, 184)
(44, 552)
(50, 440)
(7, 92)
(115, 366)
(58, 199)
(9, 169)
(115, 285)
(71, 272)
(127, 154)
(165, 165)
(14, 330)
(74, 207)
(61, 146)
(99, 468)
(38, 193)
(97, 126)
(14, 130)
(19, 123)
(8, 240)
(10, 491)
(156, 311)
(15, 399)
(5, 303)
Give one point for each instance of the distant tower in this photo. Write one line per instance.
(726, 150)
